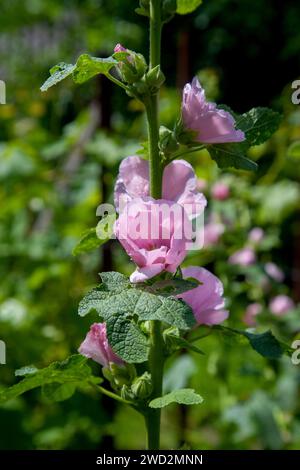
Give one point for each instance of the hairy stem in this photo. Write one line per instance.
(156, 355)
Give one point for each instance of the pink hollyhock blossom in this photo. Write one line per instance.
(256, 235)
(96, 346)
(244, 257)
(154, 233)
(251, 312)
(213, 125)
(281, 304)
(206, 300)
(212, 233)
(220, 191)
(274, 272)
(179, 184)
(119, 48)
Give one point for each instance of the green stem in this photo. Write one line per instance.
(117, 82)
(154, 155)
(156, 365)
(184, 152)
(156, 355)
(110, 394)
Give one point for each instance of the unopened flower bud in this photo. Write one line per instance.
(167, 141)
(132, 66)
(155, 78)
(126, 393)
(122, 375)
(142, 386)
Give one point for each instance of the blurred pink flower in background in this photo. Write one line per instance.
(206, 300)
(213, 231)
(179, 184)
(274, 272)
(201, 184)
(251, 312)
(212, 124)
(220, 191)
(244, 257)
(96, 346)
(281, 304)
(256, 235)
(154, 233)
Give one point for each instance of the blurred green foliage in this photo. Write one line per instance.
(59, 155)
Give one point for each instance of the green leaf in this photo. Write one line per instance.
(58, 392)
(116, 296)
(170, 287)
(187, 6)
(184, 396)
(126, 339)
(258, 124)
(231, 155)
(88, 242)
(88, 66)
(144, 150)
(265, 344)
(114, 282)
(73, 371)
(58, 73)
(95, 237)
(144, 8)
(294, 150)
(85, 68)
(180, 343)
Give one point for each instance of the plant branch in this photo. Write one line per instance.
(110, 394)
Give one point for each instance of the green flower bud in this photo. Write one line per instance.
(170, 337)
(154, 79)
(126, 393)
(142, 386)
(119, 375)
(132, 66)
(167, 141)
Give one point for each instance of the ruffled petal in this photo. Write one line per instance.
(132, 182)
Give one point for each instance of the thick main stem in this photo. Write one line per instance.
(156, 356)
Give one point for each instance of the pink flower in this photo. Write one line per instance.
(212, 233)
(206, 300)
(251, 312)
(244, 257)
(256, 235)
(220, 191)
(96, 346)
(274, 272)
(179, 184)
(155, 234)
(281, 304)
(119, 48)
(201, 184)
(213, 125)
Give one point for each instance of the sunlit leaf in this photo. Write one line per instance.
(184, 396)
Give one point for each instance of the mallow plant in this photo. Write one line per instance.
(161, 307)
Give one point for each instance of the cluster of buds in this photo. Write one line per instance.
(133, 70)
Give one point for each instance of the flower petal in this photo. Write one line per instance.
(180, 185)
(132, 182)
(213, 125)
